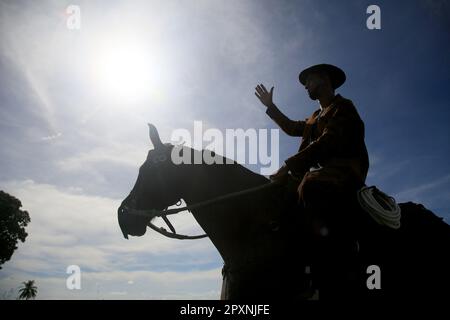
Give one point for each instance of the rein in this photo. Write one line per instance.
(152, 213)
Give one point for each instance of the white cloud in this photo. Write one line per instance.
(120, 154)
(52, 137)
(28, 34)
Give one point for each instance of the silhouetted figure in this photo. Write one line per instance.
(264, 251)
(331, 163)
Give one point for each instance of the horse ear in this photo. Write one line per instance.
(154, 136)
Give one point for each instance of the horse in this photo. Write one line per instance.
(256, 226)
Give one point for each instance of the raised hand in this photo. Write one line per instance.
(263, 95)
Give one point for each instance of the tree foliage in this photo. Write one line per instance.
(13, 221)
(28, 291)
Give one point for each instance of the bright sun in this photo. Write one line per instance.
(126, 71)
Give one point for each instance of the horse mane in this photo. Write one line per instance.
(225, 166)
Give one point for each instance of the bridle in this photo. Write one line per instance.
(153, 213)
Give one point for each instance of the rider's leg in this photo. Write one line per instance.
(330, 247)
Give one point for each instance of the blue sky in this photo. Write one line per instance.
(71, 146)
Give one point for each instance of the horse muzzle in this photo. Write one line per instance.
(131, 224)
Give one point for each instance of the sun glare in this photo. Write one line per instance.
(126, 71)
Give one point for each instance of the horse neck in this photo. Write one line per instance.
(227, 222)
(203, 181)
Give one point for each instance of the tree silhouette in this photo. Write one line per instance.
(13, 221)
(28, 291)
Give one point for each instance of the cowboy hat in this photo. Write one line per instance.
(337, 76)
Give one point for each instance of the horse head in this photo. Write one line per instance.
(155, 187)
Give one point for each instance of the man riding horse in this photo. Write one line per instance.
(332, 161)
(265, 244)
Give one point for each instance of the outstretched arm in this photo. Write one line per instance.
(292, 128)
